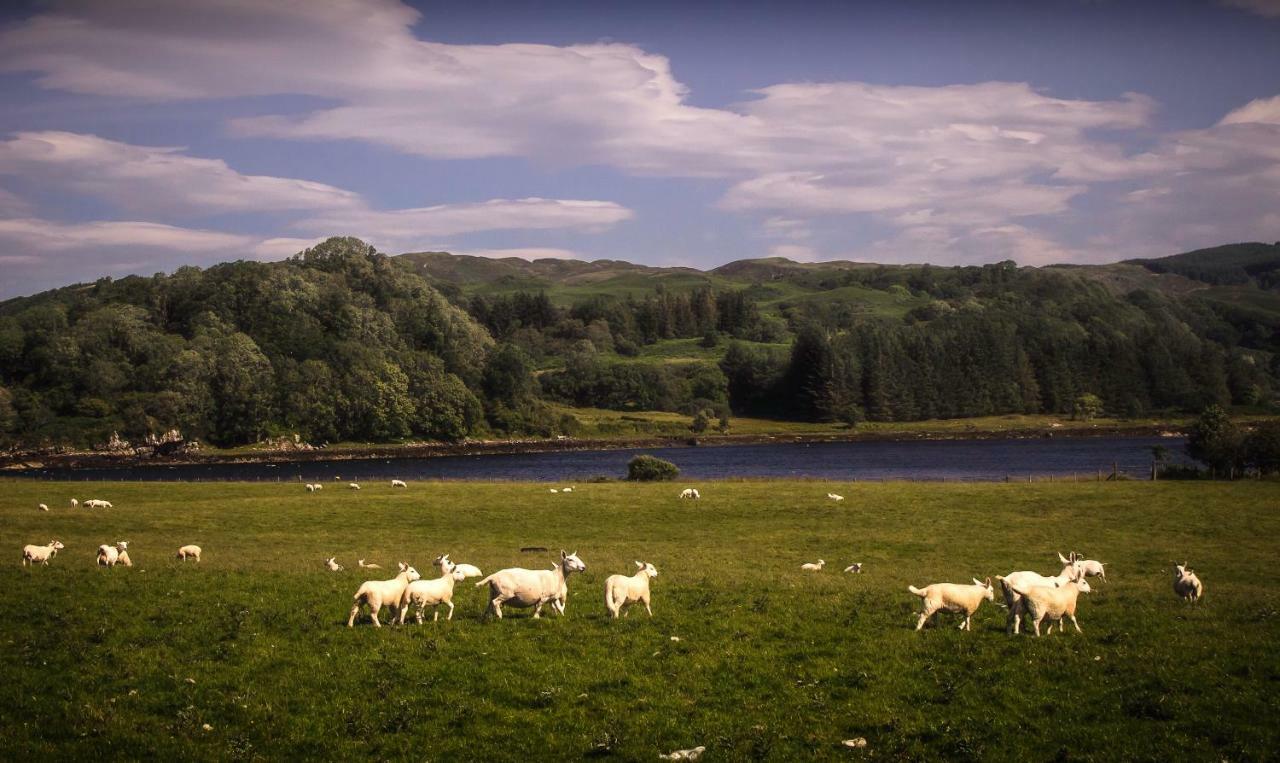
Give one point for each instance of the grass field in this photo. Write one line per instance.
(771, 663)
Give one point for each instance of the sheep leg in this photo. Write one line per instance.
(375, 606)
(495, 605)
(450, 617)
(537, 609)
(355, 610)
(1037, 624)
(1073, 622)
(646, 607)
(924, 618)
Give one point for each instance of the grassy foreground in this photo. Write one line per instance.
(771, 663)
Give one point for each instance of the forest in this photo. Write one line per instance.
(343, 343)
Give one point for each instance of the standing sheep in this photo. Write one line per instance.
(1025, 578)
(954, 598)
(109, 556)
(189, 552)
(1053, 603)
(1089, 568)
(620, 591)
(74, 503)
(431, 593)
(532, 588)
(1186, 584)
(690, 492)
(353, 485)
(398, 483)
(375, 593)
(41, 554)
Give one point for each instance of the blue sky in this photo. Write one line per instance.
(143, 135)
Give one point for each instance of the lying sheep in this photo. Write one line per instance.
(332, 565)
(1053, 603)
(41, 554)
(691, 754)
(554, 490)
(94, 503)
(567, 490)
(690, 492)
(955, 598)
(835, 497)
(108, 556)
(1026, 578)
(375, 593)
(1089, 568)
(532, 588)
(353, 485)
(42, 507)
(620, 591)
(189, 552)
(813, 566)
(124, 558)
(467, 570)
(1186, 584)
(431, 593)
(398, 483)
(370, 566)
(855, 567)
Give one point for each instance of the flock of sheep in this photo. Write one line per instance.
(1026, 593)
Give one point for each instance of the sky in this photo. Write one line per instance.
(137, 136)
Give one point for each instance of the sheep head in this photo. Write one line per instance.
(990, 593)
(648, 569)
(571, 562)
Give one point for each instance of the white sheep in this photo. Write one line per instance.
(42, 554)
(692, 754)
(311, 488)
(467, 570)
(1025, 579)
(94, 503)
(353, 485)
(532, 588)
(1186, 584)
(108, 555)
(42, 507)
(124, 558)
(835, 497)
(319, 486)
(813, 566)
(855, 567)
(398, 483)
(620, 591)
(567, 490)
(370, 566)
(1089, 568)
(690, 492)
(554, 490)
(1053, 602)
(431, 593)
(332, 565)
(74, 503)
(955, 598)
(375, 593)
(189, 552)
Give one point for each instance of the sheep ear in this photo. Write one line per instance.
(640, 564)
(563, 555)
(979, 582)
(988, 582)
(1063, 559)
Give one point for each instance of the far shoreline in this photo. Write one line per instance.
(19, 463)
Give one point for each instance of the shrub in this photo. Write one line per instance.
(651, 469)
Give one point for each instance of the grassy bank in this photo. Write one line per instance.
(770, 664)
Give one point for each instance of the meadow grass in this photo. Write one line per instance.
(771, 663)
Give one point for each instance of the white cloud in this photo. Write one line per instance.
(47, 236)
(1260, 110)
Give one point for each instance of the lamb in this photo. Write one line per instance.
(398, 483)
(332, 565)
(1052, 603)
(467, 570)
(690, 492)
(1089, 568)
(109, 556)
(189, 552)
(855, 567)
(835, 497)
(42, 507)
(431, 593)
(74, 503)
(319, 486)
(1026, 578)
(353, 485)
(42, 554)
(311, 488)
(370, 566)
(532, 588)
(1186, 584)
(953, 597)
(94, 503)
(375, 593)
(124, 558)
(621, 590)
(812, 567)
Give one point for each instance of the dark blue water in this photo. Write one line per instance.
(917, 460)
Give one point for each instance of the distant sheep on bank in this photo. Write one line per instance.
(813, 566)
(691, 493)
(41, 554)
(189, 552)
(620, 591)
(1186, 584)
(835, 497)
(312, 488)
(94, 503)
(954, 598)
(398, 483)
(375, 593)
(1053, 603)
(353, 485)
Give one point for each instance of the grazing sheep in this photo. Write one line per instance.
(94, 503)
(812, 566)
(554, 490)
(690, 492)
(375, 593)
(311, 488)
(567, 490)
(1053, 603)
(42, 507)
(855, 567)
(108, 556)
(189, 552)
(74, 503)
(1026, 578)
(1089, 568)
(398, 483)
(532, 588)
(1186, 584)
(319, 486)
(431, 593)
(835, 497)
(353, 485)
(41, 554)
(370, 566)
(621, 590)
(332, 565)
(955, 598)
(467, 570)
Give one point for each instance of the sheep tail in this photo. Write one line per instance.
(486, 580)
(916, 591)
